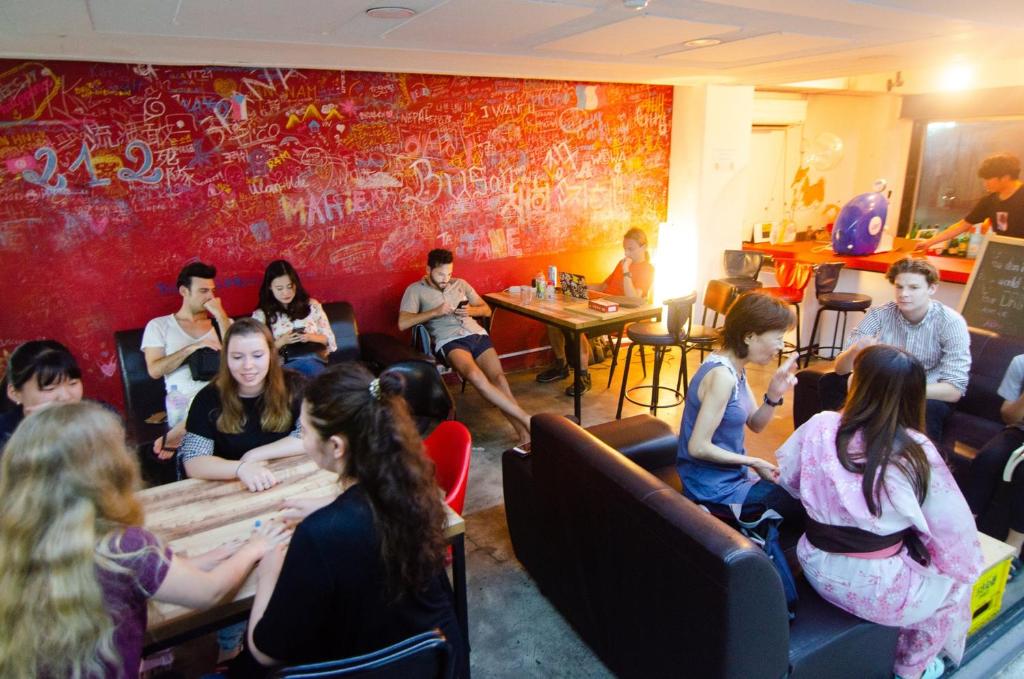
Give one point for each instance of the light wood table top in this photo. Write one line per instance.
(195, 516)
(575, 317)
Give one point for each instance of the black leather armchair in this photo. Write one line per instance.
(143, 398)
(425, 390)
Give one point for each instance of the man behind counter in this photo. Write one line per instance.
(1002, 208)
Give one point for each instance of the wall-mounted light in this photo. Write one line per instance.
(390, 13)
(635, 4)
(702, 42)
(893, 83)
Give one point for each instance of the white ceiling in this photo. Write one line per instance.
(764, 42)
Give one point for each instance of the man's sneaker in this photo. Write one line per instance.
(559, 371)
(584, 385)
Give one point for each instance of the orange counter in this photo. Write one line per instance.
(951, 269)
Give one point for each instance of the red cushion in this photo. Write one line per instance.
(789, 295)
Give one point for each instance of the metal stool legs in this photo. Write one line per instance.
(797, 348)
(615, 358)
(655, 387)
(813, 347)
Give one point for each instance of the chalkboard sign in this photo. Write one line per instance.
(994, 297)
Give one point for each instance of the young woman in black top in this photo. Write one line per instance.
(366, 568)
(246, 415)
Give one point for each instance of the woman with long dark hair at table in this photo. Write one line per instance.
(889, 536)
(76, 565)
(302, 332)
(366, 569)
(247, 415)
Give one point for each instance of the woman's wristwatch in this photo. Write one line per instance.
(773, 404)
(627, 274)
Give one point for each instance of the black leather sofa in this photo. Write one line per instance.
(653, 584)
(427, 394)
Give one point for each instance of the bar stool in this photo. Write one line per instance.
(826, 277)
(718, 297)
(615, 354)
(793, 278)
(662, 337)
(741, 269)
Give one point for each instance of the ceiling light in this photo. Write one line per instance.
(703, 42)
(635, 4)
(390, 12)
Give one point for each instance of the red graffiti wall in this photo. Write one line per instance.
(112, 176)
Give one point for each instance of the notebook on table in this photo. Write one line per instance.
(575, 285)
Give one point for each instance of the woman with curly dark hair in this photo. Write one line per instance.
(365, 569)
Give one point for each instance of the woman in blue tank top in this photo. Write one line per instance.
(712, 460)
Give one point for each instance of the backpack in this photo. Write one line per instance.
(764, 532)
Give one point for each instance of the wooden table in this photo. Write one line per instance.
(574, 318)
(196, 516)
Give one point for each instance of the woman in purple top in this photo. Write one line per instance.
(712, 461)
(77, 567)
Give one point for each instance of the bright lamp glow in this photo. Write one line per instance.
(675, 260)
(957, 77)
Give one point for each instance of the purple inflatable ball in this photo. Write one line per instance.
(858, 228)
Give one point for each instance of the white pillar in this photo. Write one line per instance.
(711, 128)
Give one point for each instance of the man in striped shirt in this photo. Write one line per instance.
(928, 330)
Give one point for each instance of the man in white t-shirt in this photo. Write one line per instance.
(168, 341)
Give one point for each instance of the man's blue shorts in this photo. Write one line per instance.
(474, 344)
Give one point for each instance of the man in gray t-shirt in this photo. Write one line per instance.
(447, 307)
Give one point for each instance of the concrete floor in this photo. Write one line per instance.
(514, 631)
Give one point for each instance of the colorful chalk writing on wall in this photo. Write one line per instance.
(113, 175)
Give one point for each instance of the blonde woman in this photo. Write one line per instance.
(246, 415)
(632, 277)
(76, 565)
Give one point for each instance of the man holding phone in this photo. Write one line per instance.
(448, 306)
(168, 341)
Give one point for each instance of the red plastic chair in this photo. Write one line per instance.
(450, 446)
(792, 278)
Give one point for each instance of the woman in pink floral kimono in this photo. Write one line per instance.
(889, 536)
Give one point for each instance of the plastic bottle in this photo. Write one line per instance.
(177, 406)
(974, 245)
